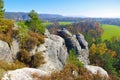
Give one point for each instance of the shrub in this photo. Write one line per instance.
(22, 33)
(72, 59)
(37, 60)
(35, 39)
(6, 30)
(23, 56)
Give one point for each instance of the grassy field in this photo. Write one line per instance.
(110, 31)
(60, 23)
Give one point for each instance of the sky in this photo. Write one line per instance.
(73, 8)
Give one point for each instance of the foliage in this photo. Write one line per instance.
(37, 60)
(34, 39)
(22, 33)
(6, 30)
(99, 48)
(1, 9)
(100, 55)
(33, 61)
(23, 56)
(35, 24)
(115, 45)
(72, 59)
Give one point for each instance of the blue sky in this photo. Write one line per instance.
(89, 8)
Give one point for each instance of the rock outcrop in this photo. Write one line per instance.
(95, 70)
(5, 52)
(15, 48)
(76, 42)
(54, 52)
(24, 74)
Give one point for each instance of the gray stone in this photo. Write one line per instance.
(15, 48)
(54, 52)
(47, 33)
(83, 43)
(76, 42)
(24, 74)
(97, 70)
(5, 52)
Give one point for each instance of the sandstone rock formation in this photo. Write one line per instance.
(5, 52)
(24, 74)
(54, 51)
(95, 70)
(76, 42)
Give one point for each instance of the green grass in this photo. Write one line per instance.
(110, 31)
(65, 23)
(47, 23)
(60, 23)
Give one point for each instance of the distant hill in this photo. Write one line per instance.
(24, 16)
(59, 18)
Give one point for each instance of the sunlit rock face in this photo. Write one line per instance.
(5, 52)
(96, 70)
(24, 74)
(54, 51)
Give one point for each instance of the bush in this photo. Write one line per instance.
(22, 33)
(72, 59)
(35, 39)
(37, 60)
(6, 30)
(23, 56)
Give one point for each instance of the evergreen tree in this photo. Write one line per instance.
(35, 24)
(1, 9)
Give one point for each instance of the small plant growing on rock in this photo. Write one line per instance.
(23, 56)
(72, 59)
(37, 60)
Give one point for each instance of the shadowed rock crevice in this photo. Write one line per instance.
(76, 42)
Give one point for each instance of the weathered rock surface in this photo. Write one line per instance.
(5, 52)
(76, 42)
(15, 48)
(97, 70)
(24, 74)
(83, 43)
(55, 53)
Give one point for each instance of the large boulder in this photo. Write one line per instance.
(95, 70)
(24, 74)
(54, 52)
(5, 52)
(76, 42)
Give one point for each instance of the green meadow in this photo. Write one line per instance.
(60, 23)
(110, 31)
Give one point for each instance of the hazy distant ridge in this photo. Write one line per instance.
(24, 16)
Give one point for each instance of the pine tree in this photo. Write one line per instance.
(1, 9)
(35, 24)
